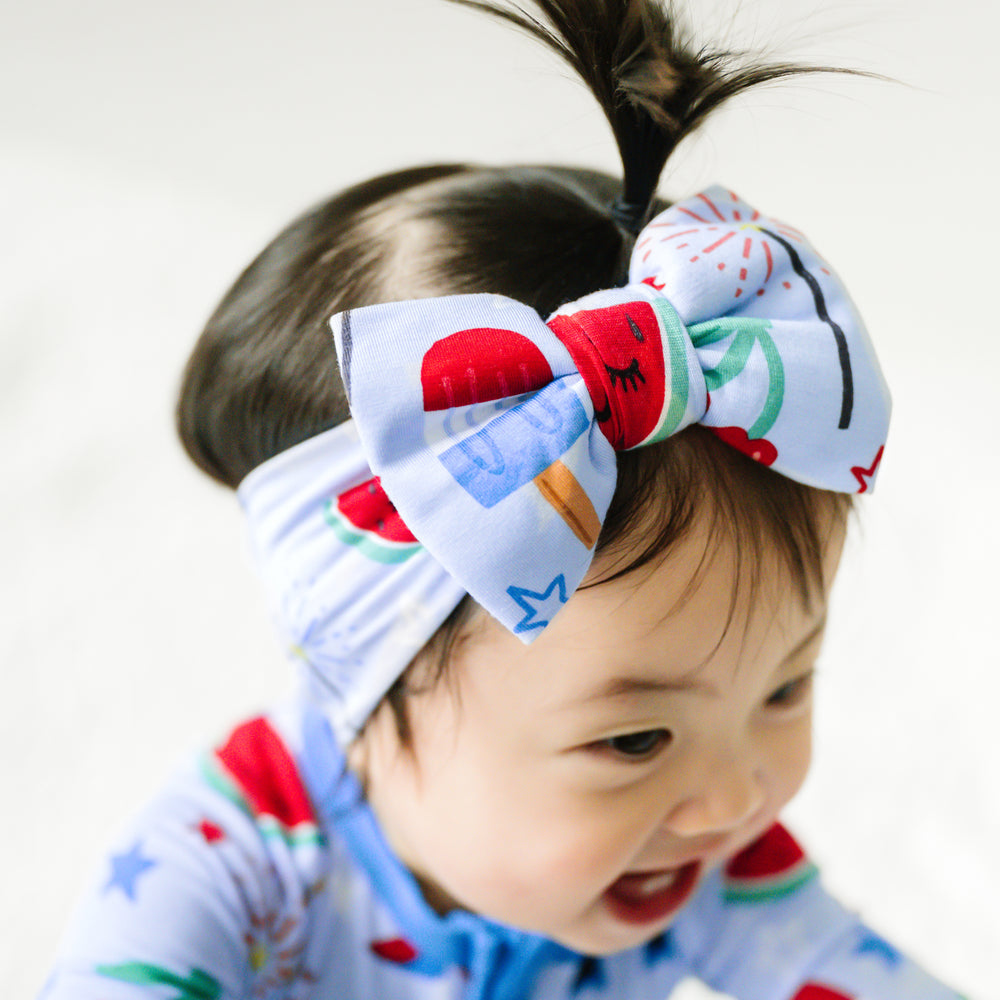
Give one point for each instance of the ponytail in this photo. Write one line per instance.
(652, 83)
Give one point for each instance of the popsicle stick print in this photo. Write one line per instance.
(563, 491)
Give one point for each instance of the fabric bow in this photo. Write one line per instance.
(494, 432)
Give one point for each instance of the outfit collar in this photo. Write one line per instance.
(501, 963)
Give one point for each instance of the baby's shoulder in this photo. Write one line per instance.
(225, 877)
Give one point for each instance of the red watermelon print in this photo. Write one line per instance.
(397, 950)
(211, 832)
(255, 769)
(817, 991)
(480, 364)
(619, 352)
(771, 867)
(365, 518)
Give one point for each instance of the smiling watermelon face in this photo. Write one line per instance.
(365, 518)
(619, 352)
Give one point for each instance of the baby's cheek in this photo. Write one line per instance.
(789, 755)
(587, 852)
(553, 885)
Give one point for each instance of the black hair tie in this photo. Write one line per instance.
(630, 215)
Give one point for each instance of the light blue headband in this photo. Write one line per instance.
(494, 434)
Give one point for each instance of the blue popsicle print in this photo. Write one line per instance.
(522, 442)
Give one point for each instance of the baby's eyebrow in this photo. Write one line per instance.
(629, 685)
(626, 686)
(815, 631)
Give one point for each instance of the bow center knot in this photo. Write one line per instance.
(618, 351)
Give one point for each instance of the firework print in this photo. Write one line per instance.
(260, 873)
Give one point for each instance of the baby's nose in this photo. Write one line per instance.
(729, 794)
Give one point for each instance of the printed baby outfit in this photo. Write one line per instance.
(261, 873)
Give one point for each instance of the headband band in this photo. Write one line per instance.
(494, 433)
(352, 594)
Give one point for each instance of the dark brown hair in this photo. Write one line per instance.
(263, 375)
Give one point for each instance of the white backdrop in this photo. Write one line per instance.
(149, 150)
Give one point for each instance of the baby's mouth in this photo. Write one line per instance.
(646, 897)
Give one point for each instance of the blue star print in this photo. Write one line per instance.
(590, 976)
(872, 944)
(126, 869)
(546, 604)
(660, 949)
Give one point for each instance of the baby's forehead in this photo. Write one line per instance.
(682, 623)
(726, 563)
(693, 492)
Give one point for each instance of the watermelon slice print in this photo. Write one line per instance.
(484, 363)
(619, 352)
(397, 950)
(365, 518)
(817, 991)
(255, 769)
(211, 832)
(773, 866)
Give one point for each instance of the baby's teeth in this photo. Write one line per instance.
(658, 883)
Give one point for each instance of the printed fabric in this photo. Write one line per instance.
(260, 873)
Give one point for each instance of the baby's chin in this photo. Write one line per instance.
(609, 939)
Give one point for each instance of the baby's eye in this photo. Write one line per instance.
(792, 693)
(637, 746)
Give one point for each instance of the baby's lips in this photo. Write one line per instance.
(647, 897)
(643, 884)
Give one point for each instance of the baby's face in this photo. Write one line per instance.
(581, 787)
